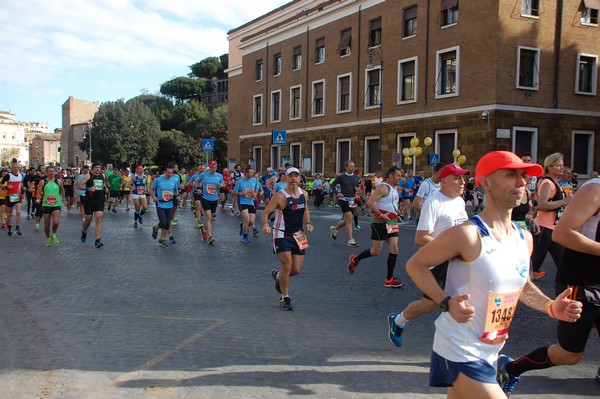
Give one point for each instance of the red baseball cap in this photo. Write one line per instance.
(452, 170)
(497, 160)
(212, 164)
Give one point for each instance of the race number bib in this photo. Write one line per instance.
(14, 198)
(51, 199)
(99, 184)
(351, 203)
(67, 182)
(301, 239)
(500, 312)
(141, 190)
(167, 196)
(211, 189)
(392, 227)
(249, 193)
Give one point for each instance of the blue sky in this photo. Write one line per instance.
(104, 50)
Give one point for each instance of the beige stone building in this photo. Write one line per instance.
(77, 116)
(359, 79)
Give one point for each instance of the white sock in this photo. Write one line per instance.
(400, 320)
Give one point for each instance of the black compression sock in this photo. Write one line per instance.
(536, 360)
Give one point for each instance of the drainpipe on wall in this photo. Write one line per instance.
(557, 41)
(306, 110)
(358, 66)
(427, 52)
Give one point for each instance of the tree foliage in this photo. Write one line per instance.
(211, 67)
(184, 88)
(178, 147)
(123, 133)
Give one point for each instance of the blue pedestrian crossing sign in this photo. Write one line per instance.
(208, 145)
(279, 137)
(434, 159)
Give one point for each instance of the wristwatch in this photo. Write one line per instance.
(443, 306)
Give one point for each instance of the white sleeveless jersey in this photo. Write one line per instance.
(389, 203)
(501, 268)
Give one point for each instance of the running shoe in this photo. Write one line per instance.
(18, 231)
(128, 209)
(162, 243)
(238, 214)
(392, 283)
(142, 212)
(172, 240)
(98, 244)
(36, 227)
(48, 242)
(395, 332)
(54, 238)
(352, 263)
(222, 210)
(211, 240)
(83, 236)
(154, 232)
(200, 225)
(173, 222)
(537, 275)
(246, 239)
(358, 228)
(203, 233)
(114, 210)
(3, 225)
(241, 229)
(598, 375)
(274, 275)
(135, 225)
(140, 220)
(9, 232)
(507, 381)
(28, 217)
(333, 232)
(352, 243)
(285, 303)
(254, 231)
(231, 212)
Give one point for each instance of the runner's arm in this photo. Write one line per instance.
(379, 192)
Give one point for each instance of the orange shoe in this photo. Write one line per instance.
(393, 283)
(352, 264)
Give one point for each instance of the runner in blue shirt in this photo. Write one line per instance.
(246, 189)
(210, 181)
(163, 191)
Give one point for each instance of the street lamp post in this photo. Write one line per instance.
(370, 66)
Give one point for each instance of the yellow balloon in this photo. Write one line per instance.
(418, 151)
(405, 152)
(408, 160)
(413, 151)
(414, 142)
(461, 159)
(456, 153)
(427, 141)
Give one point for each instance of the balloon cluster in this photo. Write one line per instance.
(459, 159)
(414, 150)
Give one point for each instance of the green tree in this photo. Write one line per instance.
(184, 88)
(123, 133)
(178, 147)
(207, 68)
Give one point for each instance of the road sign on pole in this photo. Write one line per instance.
(434, 159)
(279, 137)
(208, 145)
(396, 157)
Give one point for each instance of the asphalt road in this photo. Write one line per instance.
(133, 320)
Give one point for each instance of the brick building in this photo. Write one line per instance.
(336, 75)
(77, 116)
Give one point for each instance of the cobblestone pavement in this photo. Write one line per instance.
(133, 320)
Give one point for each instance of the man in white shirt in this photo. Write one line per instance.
(428, 187)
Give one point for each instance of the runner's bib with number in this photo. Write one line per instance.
(211, 189)
(249, 193)
(392, 227)
(51, 199)
(500, 312)
(14, 197)
(167, 195)
(99, 184)
(141, 190)
(301, 239)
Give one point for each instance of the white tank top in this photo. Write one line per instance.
(494, 280)
(389, 203)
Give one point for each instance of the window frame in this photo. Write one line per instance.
(273, 108)
(319, 50)
(366, 156)
(437, 143)
(534, 140)
(323, 100)
(346, 51)
(375, 32)
(536, 71)
(399, 91)
(254, 114)
(337, 154)
(298, 162)
(292, 98)
(338, 108)
(368, 87)
(409, 25)
(258, 165)
(447, 12)
(297, 58)
(590, 151)
(275, 163)
(314, 158)
(587, 15)
(276, 64)
(527, 11)
(438, 67)
(594, 74)
(258, 71)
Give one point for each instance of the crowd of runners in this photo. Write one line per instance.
(474, 268)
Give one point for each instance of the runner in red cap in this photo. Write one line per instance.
(488, 274)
